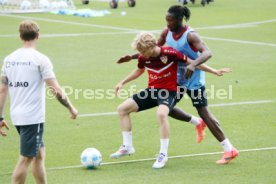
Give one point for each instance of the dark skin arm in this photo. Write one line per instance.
(196, 42)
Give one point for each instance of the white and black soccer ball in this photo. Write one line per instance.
(113, 4)
(91, 158)
(131, 3)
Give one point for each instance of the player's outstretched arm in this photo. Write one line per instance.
(3, 97)
(217, 72)
(62, 97)
(127, 58)
(132, 76)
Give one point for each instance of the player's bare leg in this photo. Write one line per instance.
(229, 151)
(38, 167)
(181, 115)
(211, 122)
(124, 111)
(21, 170)
(162, 117)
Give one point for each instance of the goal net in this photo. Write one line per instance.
(34, 6)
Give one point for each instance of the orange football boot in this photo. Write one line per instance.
(228, 156)
(200, 131)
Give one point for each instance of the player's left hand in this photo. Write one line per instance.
(189, 70)
(3, 123)
(222, 71)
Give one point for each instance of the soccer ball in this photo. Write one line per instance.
(85, 1)
(131, 3)
(91, 158)
(113, 4)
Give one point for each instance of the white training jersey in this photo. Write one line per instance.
(26, 70)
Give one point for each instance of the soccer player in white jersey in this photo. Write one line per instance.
(24, 74)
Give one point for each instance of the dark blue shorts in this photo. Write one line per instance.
(31, 139)
(198, 96)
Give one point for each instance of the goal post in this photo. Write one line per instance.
(34, 6)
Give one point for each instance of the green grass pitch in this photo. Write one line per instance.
(241, 35)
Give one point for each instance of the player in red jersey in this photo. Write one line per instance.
(187, 41)
(161, 64)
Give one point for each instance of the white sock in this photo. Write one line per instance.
(164, 145)
(127, 138)
(195, 121)
(226, 144)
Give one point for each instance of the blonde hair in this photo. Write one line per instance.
(143, 41)
(28, 30)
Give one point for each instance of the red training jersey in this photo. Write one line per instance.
(162, 70)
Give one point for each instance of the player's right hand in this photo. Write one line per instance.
(73, 112)
(124, 59)
(3, 123)
(118, 88)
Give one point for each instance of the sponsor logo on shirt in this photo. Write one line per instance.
(16, 63)
(18, 84)
(157, 77)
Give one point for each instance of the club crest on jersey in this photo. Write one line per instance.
(164, 59)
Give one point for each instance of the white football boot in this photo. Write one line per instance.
(123, 151)
(160, 161)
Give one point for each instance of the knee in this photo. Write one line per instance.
(25, 160)
(161, 116)
(122, 110)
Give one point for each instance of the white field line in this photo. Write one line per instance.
(240, 41)
(153, 158)
(72, 34)
(241, 25)
(134, 32)
(211, 105)
(171, 157)
(70, 22)
(98, 114)
(241, 103)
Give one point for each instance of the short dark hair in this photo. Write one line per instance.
(28, 30)
(180, 12)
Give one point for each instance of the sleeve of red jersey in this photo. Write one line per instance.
(180, 57)
(140, 62)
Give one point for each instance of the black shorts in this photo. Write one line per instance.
(198, 96)
(31, 139)
(149, 98)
